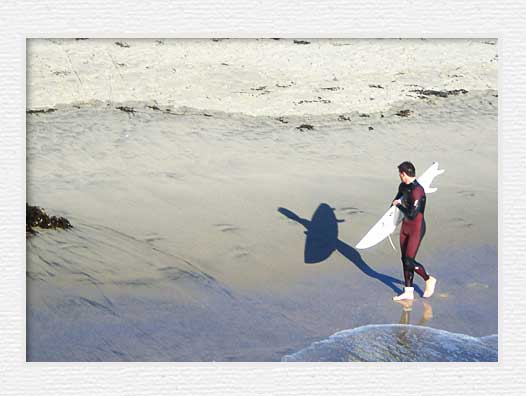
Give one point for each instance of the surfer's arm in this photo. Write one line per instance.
(411, 211)
(398, 196)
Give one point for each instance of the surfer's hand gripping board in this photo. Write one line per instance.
(390, 220)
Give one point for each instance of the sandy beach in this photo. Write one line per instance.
(190, 171)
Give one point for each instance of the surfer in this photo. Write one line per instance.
(411, 200)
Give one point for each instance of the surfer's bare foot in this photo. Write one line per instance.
(406, 295)
(430, 287)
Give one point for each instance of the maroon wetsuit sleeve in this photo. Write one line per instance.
(414, 204)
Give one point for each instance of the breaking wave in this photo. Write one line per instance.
(400, 343)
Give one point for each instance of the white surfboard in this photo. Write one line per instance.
(389, 221)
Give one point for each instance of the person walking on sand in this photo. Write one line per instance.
(411, 200)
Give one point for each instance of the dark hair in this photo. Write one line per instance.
(408, 168)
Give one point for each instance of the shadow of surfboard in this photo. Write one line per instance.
(322, 235)
(322, 240)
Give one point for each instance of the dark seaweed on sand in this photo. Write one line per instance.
(37, 217)
(41, 111)
(442, 94)
(126, 109)
(404, 113)
(307, 127)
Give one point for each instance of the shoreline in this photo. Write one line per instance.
(153, 107)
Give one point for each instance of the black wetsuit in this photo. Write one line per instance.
(413, 205)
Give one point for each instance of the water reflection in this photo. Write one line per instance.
(407, 307)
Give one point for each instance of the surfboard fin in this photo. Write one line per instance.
(428, 176)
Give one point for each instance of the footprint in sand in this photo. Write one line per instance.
(239, 252)
(350, 210)
(466, 193)
(152, 238)
(462, 221)
(226, 227)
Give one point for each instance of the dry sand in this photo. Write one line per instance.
(180, 250)
(256, 77)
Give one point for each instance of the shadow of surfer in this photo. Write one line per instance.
(322, 240)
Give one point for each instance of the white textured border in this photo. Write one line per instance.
(245, 18)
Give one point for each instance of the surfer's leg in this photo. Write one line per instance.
(420, 270)
(412, 248)
(415, 238)
(408, 273)
(414, 265)
(417, 267)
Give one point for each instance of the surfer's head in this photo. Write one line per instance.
(406, 172)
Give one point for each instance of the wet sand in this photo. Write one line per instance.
(191, 216)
